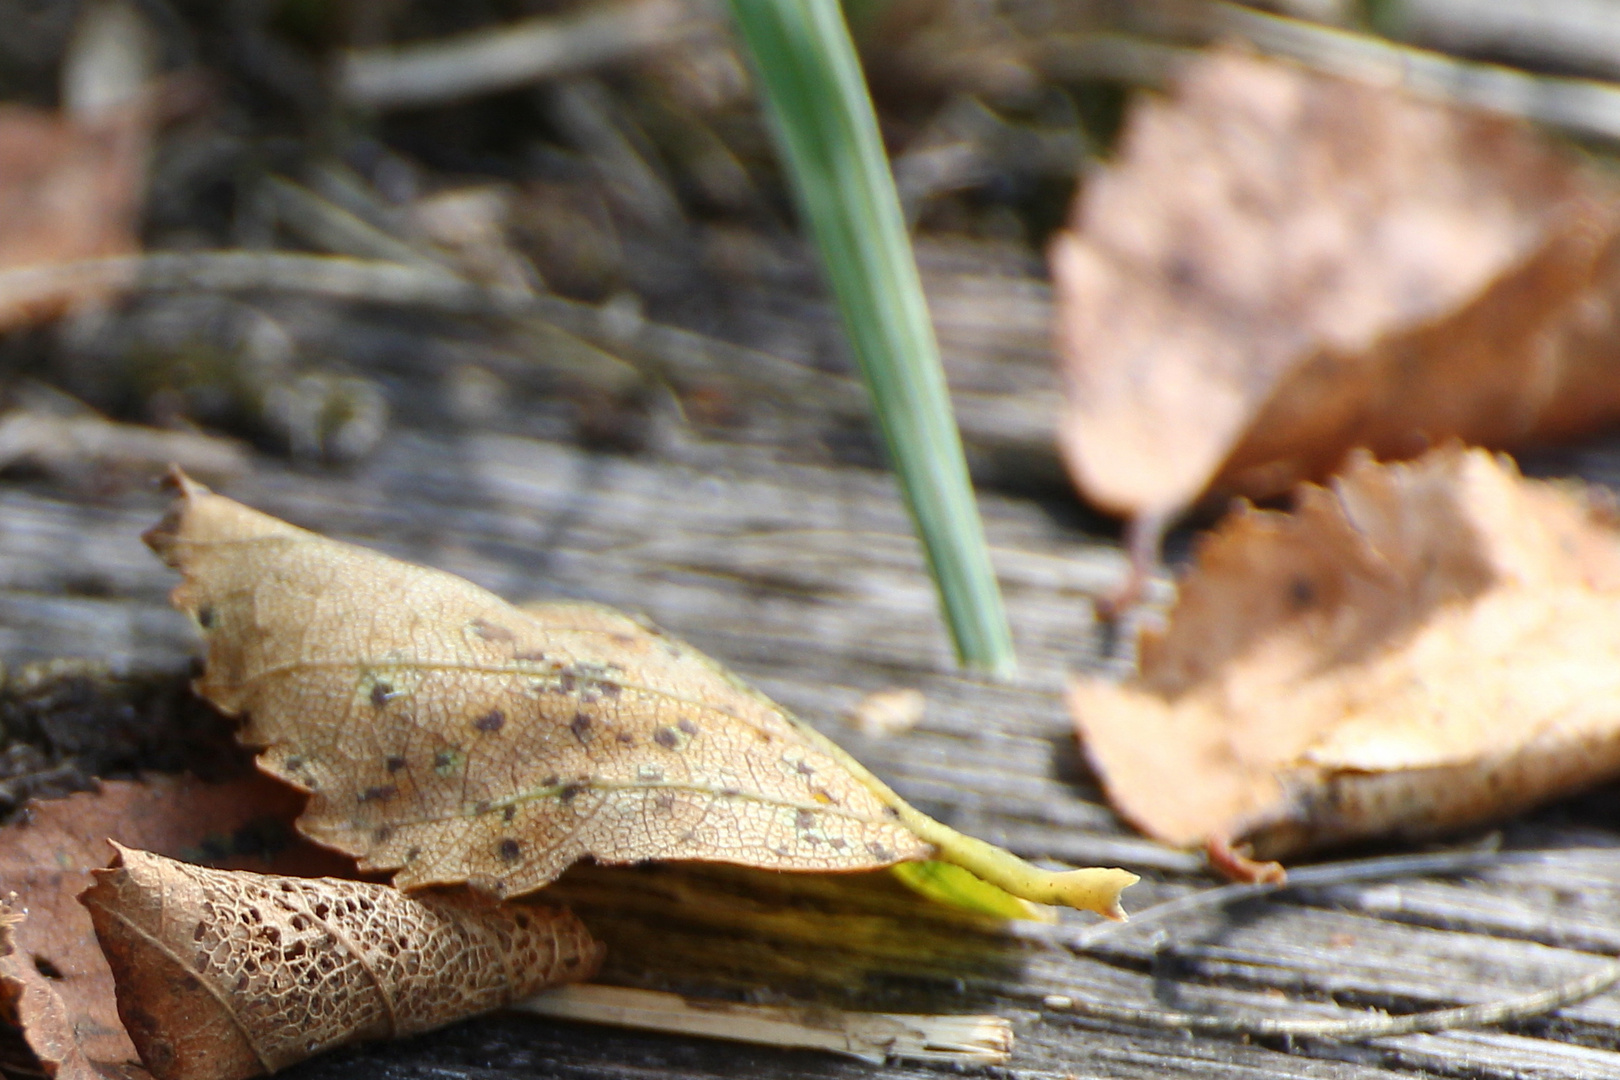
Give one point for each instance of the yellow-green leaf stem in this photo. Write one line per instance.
(1090, 889)
(948, 883)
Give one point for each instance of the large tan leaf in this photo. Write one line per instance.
(61, 988)
(1416, 648)
(448, 735)
(227, 974)
(1282, 266)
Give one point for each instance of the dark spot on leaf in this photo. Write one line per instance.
(380, 692)
(395, 763)
(580, 725)
(664, 801)
(609, 688)
(569, 791)
(782, 850)
(687, 726)
(444, 759)
(804, 821)
(531, 656)
(838, 842)
(510, 849)
(205, 617)
(551, 781)
(626, 739)
(481, 806)
(891, 813)
(46, 968)
(803, 768)
(383, 834)
(565, 683)
(666, 737)
(731, 792)
(812, 839)
(413, 853)
(295, 763)
(509, 813)
(381, 793)
(491, 721)
(490, 631)
(1301, 593)
(879, 851)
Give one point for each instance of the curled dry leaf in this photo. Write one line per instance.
(57, 977)
(1283, 265)
(1414, 649)
(224, 974)
(448, 735)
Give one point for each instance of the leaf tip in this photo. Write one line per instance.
(1094, 889)
(161, 537)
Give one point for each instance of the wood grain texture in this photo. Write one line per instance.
(806, 580)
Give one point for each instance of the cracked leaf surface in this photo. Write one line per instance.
(454, 737)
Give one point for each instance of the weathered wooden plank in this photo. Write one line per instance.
(806, 579)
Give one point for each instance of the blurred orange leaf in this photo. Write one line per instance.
(1281, 266)
(69, 190)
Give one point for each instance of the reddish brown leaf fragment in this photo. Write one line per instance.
(70, 1017)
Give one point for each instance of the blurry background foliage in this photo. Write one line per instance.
(647, 186)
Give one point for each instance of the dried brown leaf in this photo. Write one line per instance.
(28, 1001)
(226, 974)
(448, 735)
(1283, 265)
(62, 988)
(1416, 648)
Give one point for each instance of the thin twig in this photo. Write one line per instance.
(672, 352)
(1335, 873)
(514, 55)
(1585, 106)
(1378, 1025)
(1375, 1026)
(873, 1037)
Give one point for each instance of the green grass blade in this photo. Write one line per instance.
(829, 138)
